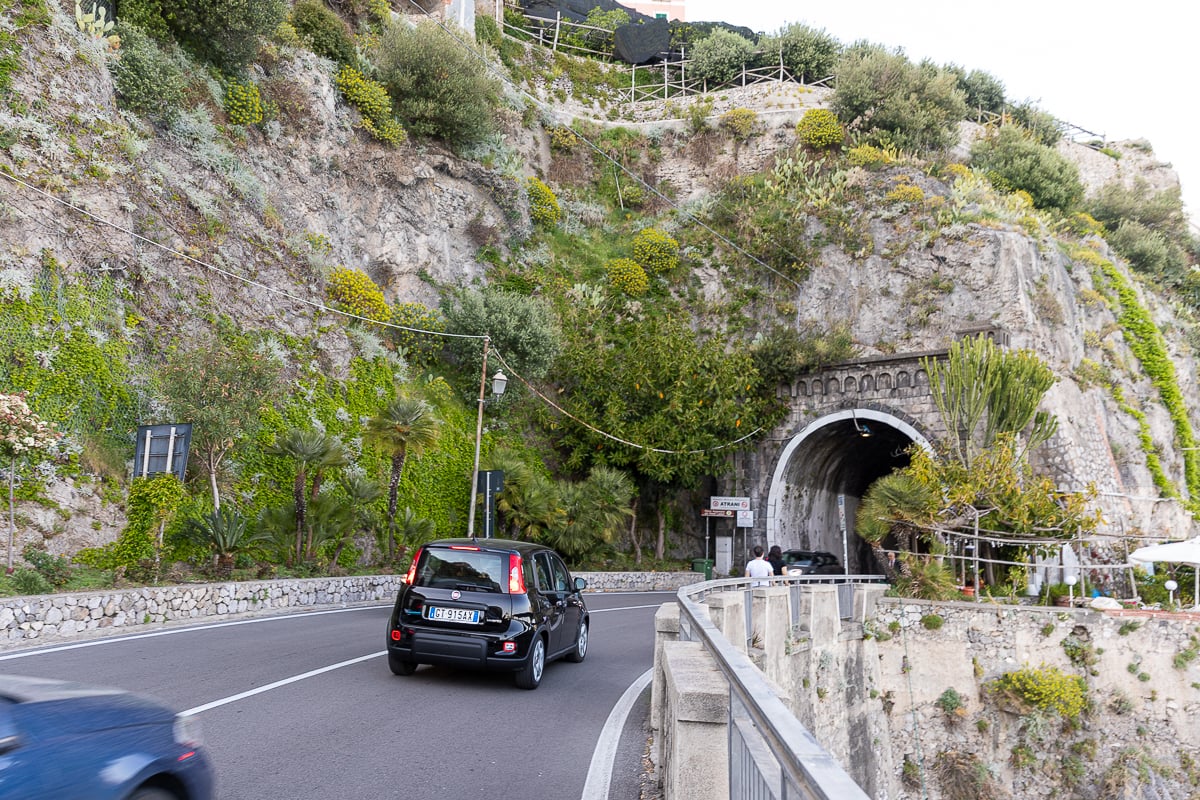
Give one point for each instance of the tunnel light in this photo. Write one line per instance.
(862, 428)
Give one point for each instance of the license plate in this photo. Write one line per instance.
(441, 614)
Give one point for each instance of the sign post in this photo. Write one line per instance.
(842, 523)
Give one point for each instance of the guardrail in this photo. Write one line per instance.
(772, 756)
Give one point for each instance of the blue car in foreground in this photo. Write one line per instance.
(69, 741)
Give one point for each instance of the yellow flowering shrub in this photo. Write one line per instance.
(655, 251)
(868, 156)
(906, 193)
(819, 128)
(563, 139)
(243, 103)
(955, 171)
(353, 291)
(420, 348)
(1046, 689)
(373, 103)
(628, 276)
(739, 122)
(543, 205)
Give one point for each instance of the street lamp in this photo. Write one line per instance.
(1071, 581)
(1171, 586)
(499, 382)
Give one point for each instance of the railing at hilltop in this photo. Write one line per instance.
(772, 756)
(562, 34)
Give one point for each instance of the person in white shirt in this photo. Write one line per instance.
(759, 567)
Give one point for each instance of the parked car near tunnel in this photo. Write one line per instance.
(488, 604)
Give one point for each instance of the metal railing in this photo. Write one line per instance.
(772, 756)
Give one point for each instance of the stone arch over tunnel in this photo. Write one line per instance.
(839, 454)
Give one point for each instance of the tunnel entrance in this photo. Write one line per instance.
(822, 474)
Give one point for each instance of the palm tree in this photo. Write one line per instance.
(594, 512)
(406, 425)
(310, 449)
(225, 531)
(361, 493)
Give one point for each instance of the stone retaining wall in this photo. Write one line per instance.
(29, 620)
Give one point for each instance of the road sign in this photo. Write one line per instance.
(745, 518)
(717, 512)
(729, 503)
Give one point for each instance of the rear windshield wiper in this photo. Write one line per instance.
(476, 587)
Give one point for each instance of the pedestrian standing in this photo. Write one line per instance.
(775, 559)
(759, 568)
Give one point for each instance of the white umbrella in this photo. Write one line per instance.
(1185, 552)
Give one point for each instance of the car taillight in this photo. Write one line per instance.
(516, 577)
(412, 570)
(463, 547)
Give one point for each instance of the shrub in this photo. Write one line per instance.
(487, 31)
(438, 88)
(353, 291)
(420, 348)
(868, 156)
(819, 129)
(1042, 127)
(224, 32)
(1045, 689)
(371, 100)
(55, 569)
(809, 54)
(627, 276)
(720, 57)
(1013, 160)
(1147, 250)
(983, 91)
(906, 193)
(28, 581)
(655, 251)
(243, 103)
(325, 33)
(146, 15)
(523, 328)
(739, 122)
(563, 139)
(147, 79)
(885, 95)
(543, 205)
(932, 622)
(950, 701)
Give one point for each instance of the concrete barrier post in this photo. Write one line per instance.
(770, 613)
(819, 613)
(695, 743)
(728, 612)
(666, 629)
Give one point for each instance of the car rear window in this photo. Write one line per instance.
(465, 570)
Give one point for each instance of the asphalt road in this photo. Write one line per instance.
(303, 706)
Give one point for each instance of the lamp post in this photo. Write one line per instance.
(499, 381)
(1071, 581)
(1171, 586)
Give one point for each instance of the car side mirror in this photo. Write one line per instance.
(580, 584)
(9, 743)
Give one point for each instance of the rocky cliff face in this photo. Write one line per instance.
(195, 219)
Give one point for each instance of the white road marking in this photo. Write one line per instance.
(605, 755)
(116, 639)
(623, 608)
(233, 698)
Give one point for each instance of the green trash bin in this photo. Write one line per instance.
(703, 565)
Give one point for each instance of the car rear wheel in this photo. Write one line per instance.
(400, 666)
(581, 640)
(152, 793)
(530, 675)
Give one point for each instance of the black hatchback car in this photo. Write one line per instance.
(488, 604)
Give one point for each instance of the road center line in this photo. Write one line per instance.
(623, 608)
(119, 638)
(599, 775)
(233, 698)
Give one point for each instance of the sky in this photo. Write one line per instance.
(1120, 70)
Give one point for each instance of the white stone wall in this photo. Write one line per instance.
(29, 620)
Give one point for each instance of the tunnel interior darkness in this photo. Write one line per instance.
(842, 458)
